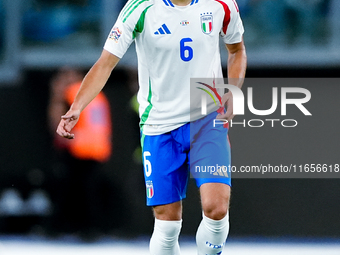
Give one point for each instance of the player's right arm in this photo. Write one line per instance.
(120, 38)
(92, 84)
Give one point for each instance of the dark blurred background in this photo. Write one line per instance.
(284, 38)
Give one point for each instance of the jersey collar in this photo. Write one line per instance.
(169, 3)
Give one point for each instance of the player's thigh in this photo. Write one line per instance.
(210, 162)
(210, 154)
(165, 170)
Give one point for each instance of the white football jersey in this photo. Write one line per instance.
(173, 44)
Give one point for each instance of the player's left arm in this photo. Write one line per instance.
(237, 65)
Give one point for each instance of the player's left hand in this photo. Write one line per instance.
(227, 103)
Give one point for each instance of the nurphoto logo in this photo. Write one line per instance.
(239, 104)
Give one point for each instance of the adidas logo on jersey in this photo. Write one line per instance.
(163, 30)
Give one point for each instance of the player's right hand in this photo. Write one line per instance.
(67, 122)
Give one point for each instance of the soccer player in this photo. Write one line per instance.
(175, 40)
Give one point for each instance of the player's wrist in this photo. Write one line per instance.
(76, 107)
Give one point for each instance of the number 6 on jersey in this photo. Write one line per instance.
(187, 52)
(147, 164)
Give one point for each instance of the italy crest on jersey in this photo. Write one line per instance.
(207, 23)
(149, 189)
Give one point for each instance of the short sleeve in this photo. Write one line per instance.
(129, 24)
(232, 30)
(120, 38)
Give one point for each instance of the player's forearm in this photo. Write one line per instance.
(94, 81)
(237, 65)
(92, 84)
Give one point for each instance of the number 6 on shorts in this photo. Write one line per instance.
(147, 164)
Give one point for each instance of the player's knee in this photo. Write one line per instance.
(216, 211)
(168, 212)
(215, 200)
